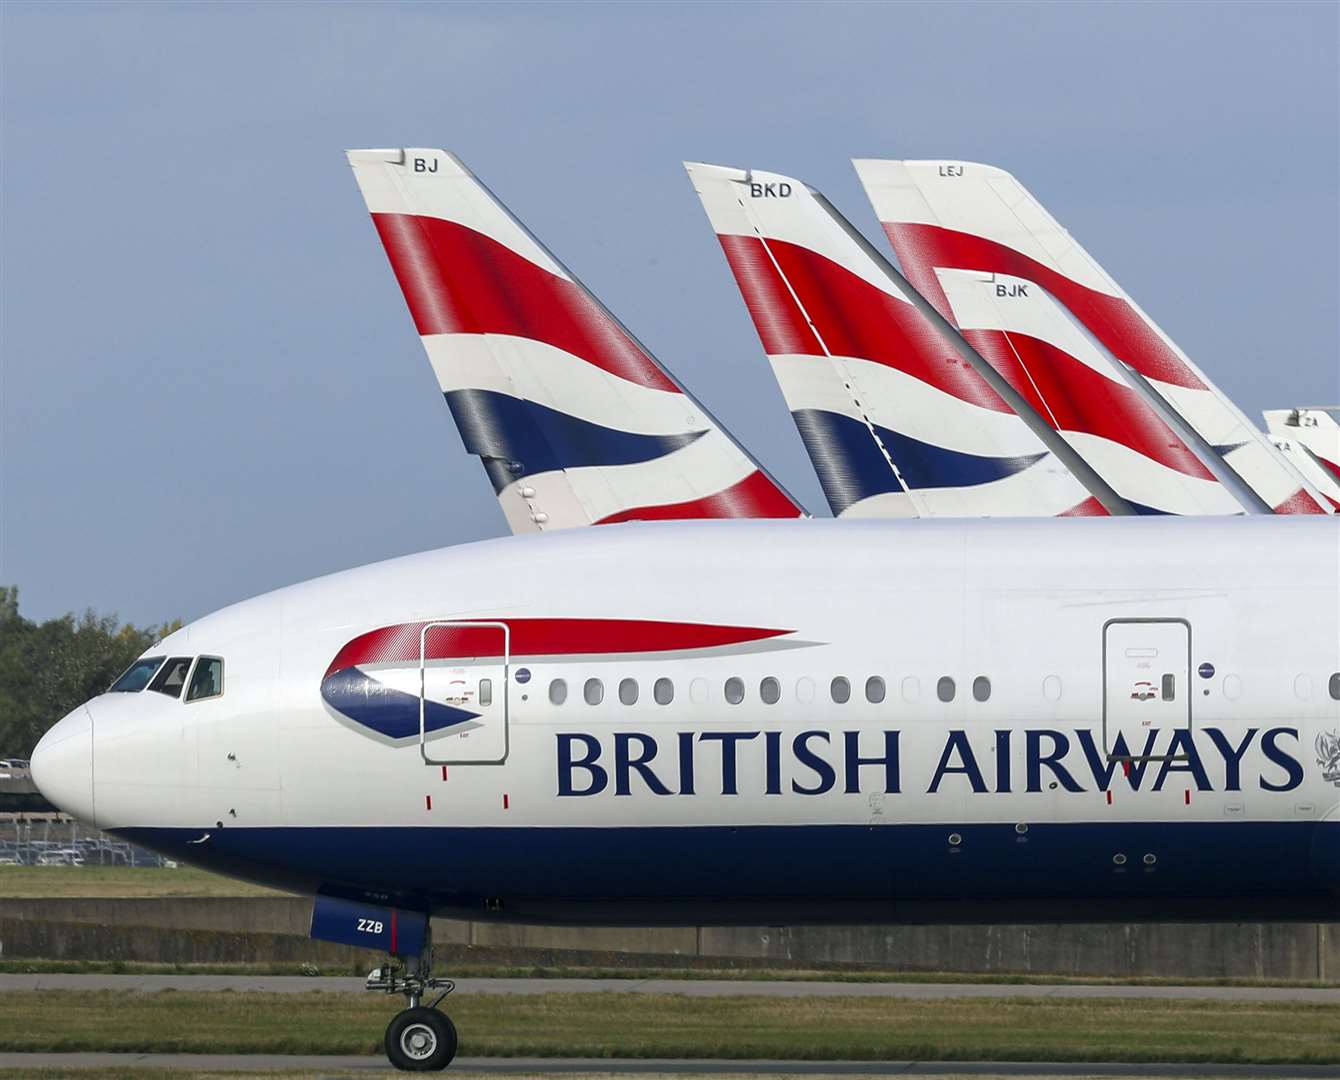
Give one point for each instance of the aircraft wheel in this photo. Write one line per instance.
(420, 1040)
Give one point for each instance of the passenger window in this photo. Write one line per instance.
(663, 691)
(945, 689)
(628, 691)
(770, 690)
(486, 691)
(136, 677)
(593, 691)
(804, 690)
(558, 691)
(981, 688)
(911, 689)
(1335, 686)
(734, 690)
(840, 689)
(874, 690)
(172, 676)
(698, 691)
(206, 679)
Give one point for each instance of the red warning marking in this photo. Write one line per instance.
(1109, 798)
(1126, 768)
(444, 772)
(427, 802)
(504, 802)
(393, 931)
(1186, 796)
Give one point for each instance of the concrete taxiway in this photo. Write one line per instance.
(688, 987)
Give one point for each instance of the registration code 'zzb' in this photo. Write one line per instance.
(370, 926)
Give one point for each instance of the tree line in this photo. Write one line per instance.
(48, 668)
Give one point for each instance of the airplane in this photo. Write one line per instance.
(574, 420)
(962, 229)
(866, 372)
(1310, 439)
(748, 721)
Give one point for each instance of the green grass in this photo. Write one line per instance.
(649, 1025)
(459, 969)
(41, 882)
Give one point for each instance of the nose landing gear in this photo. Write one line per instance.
(420, 1038)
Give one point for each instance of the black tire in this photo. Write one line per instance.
(420, 1040)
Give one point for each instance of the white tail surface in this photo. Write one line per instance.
(575, 422)
(895, 423)
(954, 223)
(1310, 439)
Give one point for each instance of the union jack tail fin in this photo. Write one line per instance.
(964, 231)
(575, 422)
(895, 423)
(1310, 439)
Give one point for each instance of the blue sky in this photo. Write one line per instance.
(209, 385)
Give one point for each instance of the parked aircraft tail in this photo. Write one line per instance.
(1310, 439)
(575, 421)
(894, 421)
(962, 229)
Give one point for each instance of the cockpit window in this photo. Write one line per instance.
(206, 679)
(172, 677)
(137, 676)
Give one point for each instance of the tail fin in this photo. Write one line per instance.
(1310, 439)
(575, 422)
(895, 423)
(948, 220)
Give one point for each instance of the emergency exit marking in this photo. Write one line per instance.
(444, 772)
(1109, 798)
(1186, 796)
(427, 802)
(505, 801)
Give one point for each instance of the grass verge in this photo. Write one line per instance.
(43, 882)
(637, 1025)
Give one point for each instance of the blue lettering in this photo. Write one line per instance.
(728, 740)
(1036, 760)
(772, 747)
(1181, 740)
(599, 778)
(852, 741)
(1103, 767)
(807, 757)
(686, 763)
(625, 764)
(957, 745)
(1282, 758)
(1232, 755)
(1003, 761)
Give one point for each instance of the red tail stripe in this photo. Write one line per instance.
(1090, 507)
(459, 281)
(753, 497)
(923, 248)
(541, 637)
(1072, 396)
(1300, 502)
(853, 317)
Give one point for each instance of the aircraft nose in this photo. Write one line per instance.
(62, 764)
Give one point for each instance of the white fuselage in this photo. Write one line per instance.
(1140, 722)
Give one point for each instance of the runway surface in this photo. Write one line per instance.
(689, 987)
(663, 1066)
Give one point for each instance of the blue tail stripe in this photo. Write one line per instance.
(851, 467)
(519, 438)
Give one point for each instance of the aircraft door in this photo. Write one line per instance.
(463, 692)
(1146, 682)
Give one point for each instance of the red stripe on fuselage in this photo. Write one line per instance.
(540, 637)
(1071, 396)
(924, 248)
(459, 281)
(852, 316)
(753, 497)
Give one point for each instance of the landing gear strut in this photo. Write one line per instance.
(419, 1038)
